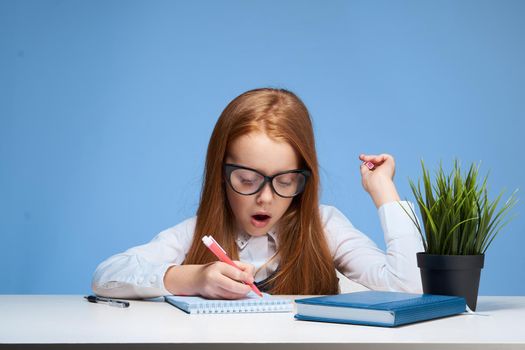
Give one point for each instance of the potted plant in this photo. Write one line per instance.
(460, 222)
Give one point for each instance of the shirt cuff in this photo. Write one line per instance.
(150, 283)
(160, 278)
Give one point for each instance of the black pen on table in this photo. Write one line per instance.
(109, 301)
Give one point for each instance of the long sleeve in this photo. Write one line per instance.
(139, 272)
(357, 257)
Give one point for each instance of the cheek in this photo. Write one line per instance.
(284, 204)
(236, 201)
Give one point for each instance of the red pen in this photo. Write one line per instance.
(221, 254)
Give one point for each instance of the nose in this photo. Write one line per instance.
(265, 195)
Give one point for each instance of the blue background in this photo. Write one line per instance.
(106, 108)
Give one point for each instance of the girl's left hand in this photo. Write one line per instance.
(378, 181)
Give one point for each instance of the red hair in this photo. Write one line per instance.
(305, 263)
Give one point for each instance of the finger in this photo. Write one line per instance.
(387, 158)
(375, 158)
(233, 287)
(236, 274)
(248, 268)
(224, 294)
(366, 164)
(363, 170)
(367, 157)
(390, 163)
(220, 293)
(218, 282)
(371, 161)
(378, 160)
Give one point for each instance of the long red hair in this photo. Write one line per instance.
(305, 263)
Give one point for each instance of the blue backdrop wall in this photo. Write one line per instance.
(106, 108)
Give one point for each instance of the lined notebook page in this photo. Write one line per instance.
(252, 303)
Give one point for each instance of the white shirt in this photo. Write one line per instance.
(139, 272)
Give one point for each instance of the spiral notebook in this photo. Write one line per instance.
(251, 303)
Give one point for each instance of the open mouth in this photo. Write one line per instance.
(260, 220)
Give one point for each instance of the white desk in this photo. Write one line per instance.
(60, 321)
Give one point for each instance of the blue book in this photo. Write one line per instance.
(373, 308)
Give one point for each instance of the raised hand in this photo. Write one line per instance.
(377, 178)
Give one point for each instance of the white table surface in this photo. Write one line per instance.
(70, 319)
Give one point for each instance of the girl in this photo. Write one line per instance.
(260, 201)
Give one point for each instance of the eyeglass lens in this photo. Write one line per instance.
(247, 181)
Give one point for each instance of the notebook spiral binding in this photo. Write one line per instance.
(242, 306)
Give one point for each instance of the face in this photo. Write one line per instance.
(256, 214)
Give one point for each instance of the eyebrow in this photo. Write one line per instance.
(263, 172)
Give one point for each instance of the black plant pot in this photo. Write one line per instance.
(451, 275)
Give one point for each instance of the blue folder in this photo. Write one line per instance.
(373, 308)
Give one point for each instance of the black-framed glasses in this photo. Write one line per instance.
(247, 181)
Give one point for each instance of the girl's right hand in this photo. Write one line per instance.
(219, 280)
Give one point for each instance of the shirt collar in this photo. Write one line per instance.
(243, 238)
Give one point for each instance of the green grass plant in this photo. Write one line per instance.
(458, 216)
